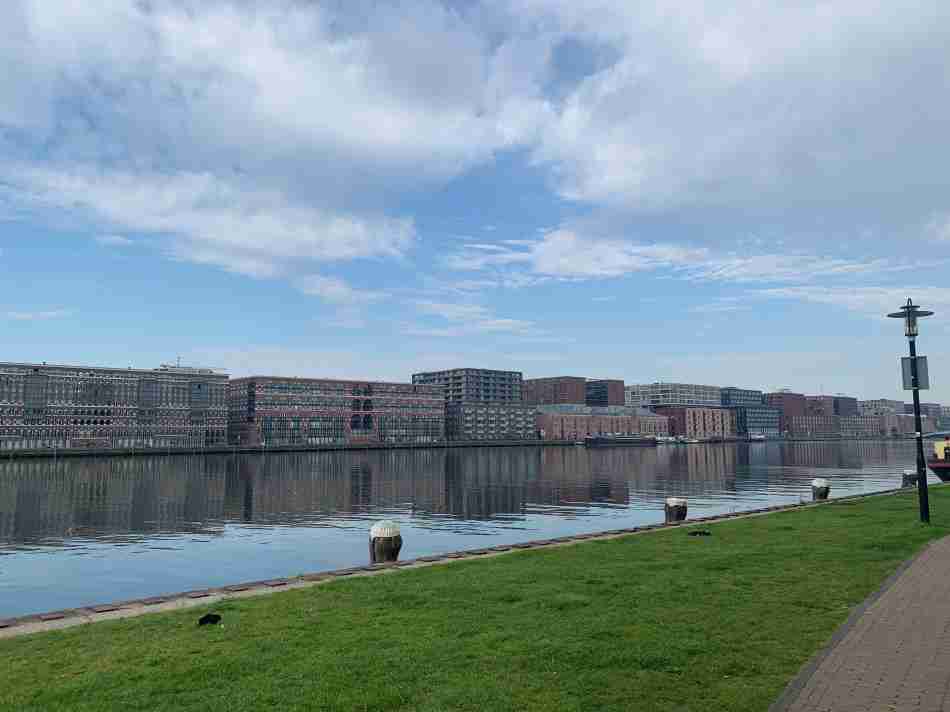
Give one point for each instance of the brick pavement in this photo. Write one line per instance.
(894, 655)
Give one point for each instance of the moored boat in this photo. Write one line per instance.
(615, 440)
(939, 463)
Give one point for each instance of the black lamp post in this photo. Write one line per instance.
(910, 313)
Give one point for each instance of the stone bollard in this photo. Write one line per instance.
(909, 479)
(674, 509)
(384, 542)
(820, 488)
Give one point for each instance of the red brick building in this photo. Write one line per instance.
(699, 422)
(605, 392)
(557, 390)
(577, 422)
(791, 405)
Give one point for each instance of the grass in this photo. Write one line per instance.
(660, 621)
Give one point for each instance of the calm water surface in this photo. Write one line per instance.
(77, 532)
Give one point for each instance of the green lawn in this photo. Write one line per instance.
(660, 621)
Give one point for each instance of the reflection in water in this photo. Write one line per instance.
(216, 512)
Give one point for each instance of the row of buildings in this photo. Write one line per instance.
(174, 407)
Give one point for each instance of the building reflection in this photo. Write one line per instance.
(60, 502)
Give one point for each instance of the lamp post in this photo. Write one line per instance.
(910, 313)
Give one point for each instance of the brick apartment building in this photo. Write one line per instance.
(273, 410)
(556, 390)
(701, 423)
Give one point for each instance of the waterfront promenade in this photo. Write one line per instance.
(894, 651)
(660, 621)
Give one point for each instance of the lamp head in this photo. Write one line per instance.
(910, 313)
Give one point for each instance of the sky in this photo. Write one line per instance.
(725, 193)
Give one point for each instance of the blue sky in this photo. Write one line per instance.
(733, 194)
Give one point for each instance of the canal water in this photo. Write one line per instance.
(81, 531)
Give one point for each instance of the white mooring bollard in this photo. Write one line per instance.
(674, 509)
(385, 542)
(820, 488)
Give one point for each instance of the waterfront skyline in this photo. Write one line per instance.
(581, 189)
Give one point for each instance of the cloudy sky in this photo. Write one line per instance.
(729, 193)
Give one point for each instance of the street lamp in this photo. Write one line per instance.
(910, 313)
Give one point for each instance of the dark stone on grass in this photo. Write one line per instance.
(209, 619)
(699, 532)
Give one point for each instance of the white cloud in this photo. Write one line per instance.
(240, 227)
(39, 315)
(565, 254)
(466, 319)
(113, 241)
(737, 106)
(873, 301)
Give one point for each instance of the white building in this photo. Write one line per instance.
(651, 395)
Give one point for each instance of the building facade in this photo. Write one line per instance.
(652, 395)
(701, 423)
(605, 392)
(732, 396)
(814, 426)
(820, 406)
(552, 391)
(846, 406)
(489, 420)
(880, 406)
(790, 405)
(575, 422)
(271, 410)
(58, 406)
(474, 384)
(757, 420)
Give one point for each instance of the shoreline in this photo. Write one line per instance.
(67, 618)
(37, 453)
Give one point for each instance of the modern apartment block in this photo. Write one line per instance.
(880, 406)
(652, 395)
(846, 406)
(702, 423)
(820, 406)
(489, 420)
(474, 384)
(574, 422)
(605, 392)
(757, 420)
(813, 426)
(58, 406)
(551, 391)
(790, 405)
(732, 396)
(273, 410)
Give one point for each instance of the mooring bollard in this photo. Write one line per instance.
(909, 478)
(820, 488)
(384, 542)
(674, 509)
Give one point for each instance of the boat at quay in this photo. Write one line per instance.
(618, 440)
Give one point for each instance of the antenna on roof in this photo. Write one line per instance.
(179, 361)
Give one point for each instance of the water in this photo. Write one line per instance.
(77, 532)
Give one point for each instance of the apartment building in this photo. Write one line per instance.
(489, 420)
(274, 410)
(575, 422)
(556, 390)
(61, 406)
(651, 395)
(474, 384)
(701, 423)
(604, 392)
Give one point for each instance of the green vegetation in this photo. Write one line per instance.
(661, 621)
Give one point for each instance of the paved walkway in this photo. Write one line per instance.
(892, 656)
